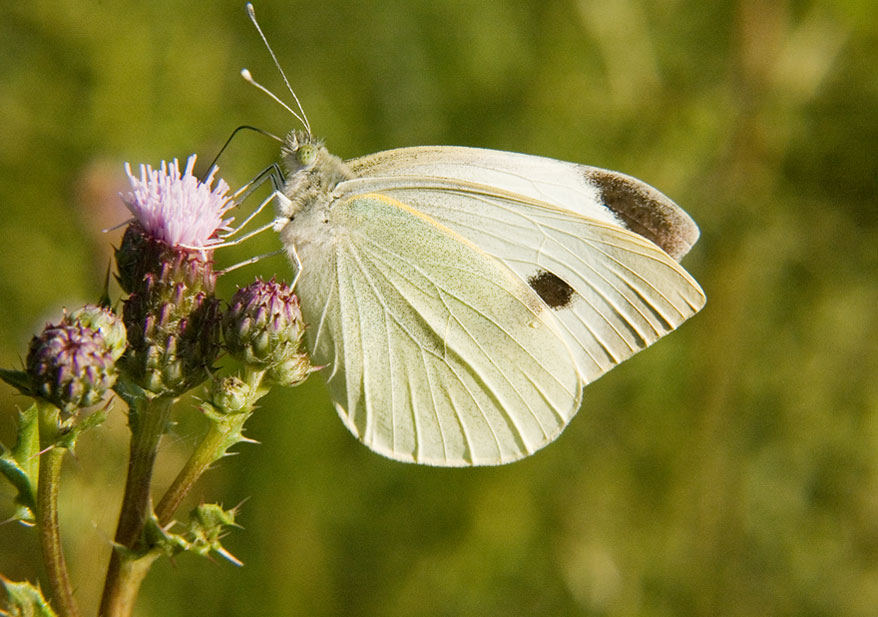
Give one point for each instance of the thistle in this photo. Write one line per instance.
(164, 344)
(264, 329)
(173, 322)
(164, 263)
(73, 364)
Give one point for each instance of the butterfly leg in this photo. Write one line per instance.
(294, 255)
(276, 224)
(247, 262)
(272, 173)
(283, 205)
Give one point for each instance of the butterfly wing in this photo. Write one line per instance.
(436, 353)
(593, 192)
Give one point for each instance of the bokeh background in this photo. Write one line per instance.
(732, 469)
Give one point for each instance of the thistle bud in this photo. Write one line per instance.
(173, 321)
(230, 394)
(264, 328)
(71, 365)
(104, 321)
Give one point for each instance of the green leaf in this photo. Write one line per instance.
(133, 395)
(17, 379)
(68, 438)
(24, 600)
(21, 464)
(208, 524)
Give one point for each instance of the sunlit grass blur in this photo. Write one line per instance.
(732, 469)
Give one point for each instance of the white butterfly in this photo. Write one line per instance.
(461, 298)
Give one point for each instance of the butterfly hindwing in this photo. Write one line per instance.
(435, 351)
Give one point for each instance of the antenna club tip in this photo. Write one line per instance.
(249, 7)
(246, 75)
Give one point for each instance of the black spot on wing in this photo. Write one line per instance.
(552, 289)
(646, 211)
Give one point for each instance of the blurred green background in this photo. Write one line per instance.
(732, 469)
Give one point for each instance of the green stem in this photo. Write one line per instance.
(130, 574)
(126, 572)
(224, 432)
(204, 456)
(47, 514)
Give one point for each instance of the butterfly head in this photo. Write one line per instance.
(312, 172)
(301, 152)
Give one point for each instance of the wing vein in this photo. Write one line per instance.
(436, 286)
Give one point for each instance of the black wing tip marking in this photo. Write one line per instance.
(551, 288)
(646, 211)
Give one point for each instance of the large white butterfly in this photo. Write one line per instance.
(461, 298)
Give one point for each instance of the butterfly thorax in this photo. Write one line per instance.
(312, 178)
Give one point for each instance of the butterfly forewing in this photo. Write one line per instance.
(593, 192)
(438, 352)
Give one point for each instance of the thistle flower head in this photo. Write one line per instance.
(171, 314)
(178, 208)
(73, 364)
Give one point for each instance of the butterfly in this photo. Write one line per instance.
(460, 298)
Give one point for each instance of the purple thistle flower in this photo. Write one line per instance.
(176, 208)
(165, 264)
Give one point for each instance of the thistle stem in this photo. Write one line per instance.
(126, 571)
(224, 432)
(47, 514)
(204, 456)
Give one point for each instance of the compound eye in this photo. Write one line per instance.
(306, 154)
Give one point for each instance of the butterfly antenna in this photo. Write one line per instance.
(246, 75)
(244, 127)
